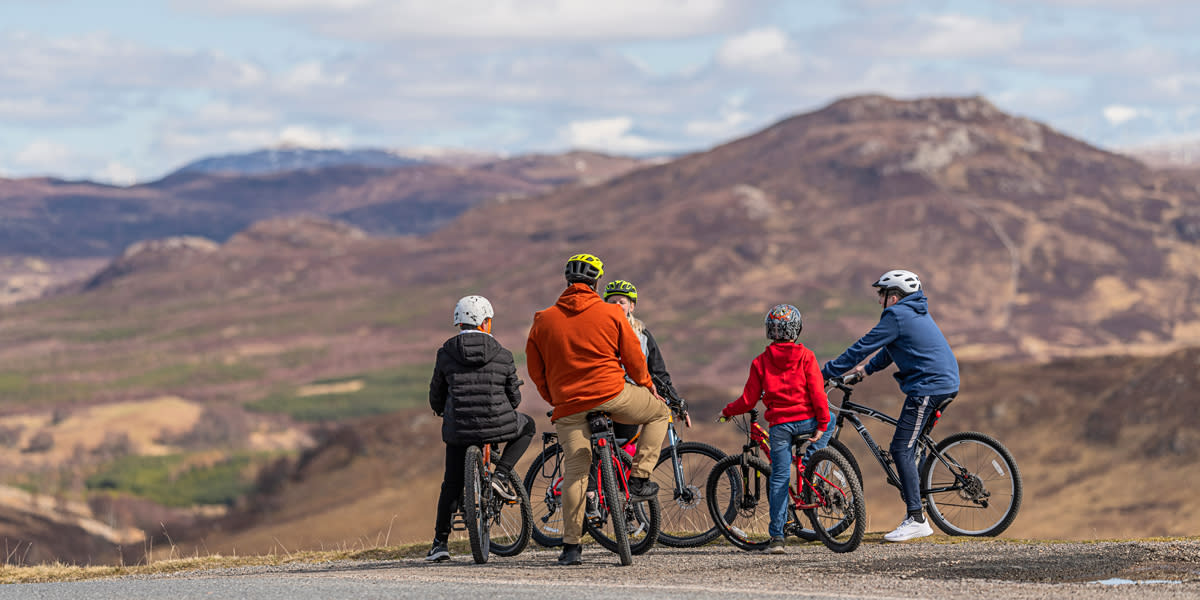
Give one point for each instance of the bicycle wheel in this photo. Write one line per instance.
(740, 481)
(643, 518)
(511, 521)
(685, 518)
(840, 515)
(613, 501)
(811, 535)
(543, 485)
(476, 498)
(978, 492)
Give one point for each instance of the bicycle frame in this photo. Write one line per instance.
(850, 411)
(759, 438)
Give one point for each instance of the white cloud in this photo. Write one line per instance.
(306, 137)
(731, 121)
(571, 20)
(1117, 114)
(753, 47)
(116, 174)
(43, 156)
(609, 135)
(311, 74)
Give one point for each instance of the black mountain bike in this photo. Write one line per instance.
(681, 473)
(494, 524)
(969, 481)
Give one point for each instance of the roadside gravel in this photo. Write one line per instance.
(924, 569)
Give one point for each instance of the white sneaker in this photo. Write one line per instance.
(910, 529)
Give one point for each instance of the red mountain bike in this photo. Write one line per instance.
(826, 490)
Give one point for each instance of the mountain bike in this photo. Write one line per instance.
(544, 480)
(494, 524)
(969, 481)
(825, 489)
(681, 472)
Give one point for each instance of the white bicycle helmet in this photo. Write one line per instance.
(472, 310)
(899, 279)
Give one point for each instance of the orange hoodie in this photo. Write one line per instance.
(580, 350)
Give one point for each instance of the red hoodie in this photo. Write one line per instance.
(579, 351)
(788, 379)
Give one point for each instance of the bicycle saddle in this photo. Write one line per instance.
(598, 421)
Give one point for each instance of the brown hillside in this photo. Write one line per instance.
(1125, 473)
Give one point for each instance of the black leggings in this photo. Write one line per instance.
(456, 457)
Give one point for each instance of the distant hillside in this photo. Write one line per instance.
(1033, 246)
(277, 160)
(52, 219)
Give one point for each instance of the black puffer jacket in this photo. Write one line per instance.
(475, 388)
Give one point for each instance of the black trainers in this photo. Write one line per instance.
(777, 546)
(572, 554)
(641, 488)
(439, 552)
(502, 484)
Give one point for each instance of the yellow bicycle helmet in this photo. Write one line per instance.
(583, 268)
(620, 287)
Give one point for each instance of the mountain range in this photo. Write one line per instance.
(1050, 264)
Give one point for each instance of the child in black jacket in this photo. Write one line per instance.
(475, 390)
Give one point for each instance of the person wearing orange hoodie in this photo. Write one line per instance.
(787, 378)
(578, 354)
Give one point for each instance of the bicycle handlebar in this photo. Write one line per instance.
(843, 382)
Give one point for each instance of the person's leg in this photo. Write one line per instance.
(515, 448)
(636, 405)
(777, 483)
(575, 437)
(824, 441)
(917, 410)
(452, 489)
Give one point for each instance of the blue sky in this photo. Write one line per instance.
(128, 90)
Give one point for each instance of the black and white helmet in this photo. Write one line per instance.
(906, 282)
(472, 310)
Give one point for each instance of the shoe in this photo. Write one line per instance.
(908, 530)
(502, 484)
(641, 488)
(591, 507)
(572, 554)
(777, 546)
(439, 552)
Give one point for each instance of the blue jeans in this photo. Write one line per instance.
(781, 469)
(916, 412)
(824, 441)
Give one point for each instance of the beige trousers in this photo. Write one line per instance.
(635, 405)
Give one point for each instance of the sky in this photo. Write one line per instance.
(126, 91)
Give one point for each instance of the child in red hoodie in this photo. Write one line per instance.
(788, 379)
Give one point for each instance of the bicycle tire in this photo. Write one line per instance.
(840, 517)
(646, 514)
(683, 517)
(749, 529)
(811, 535)
(474, 505)
(989, 502)
(545, 498)
(614, 501)
(509, 533)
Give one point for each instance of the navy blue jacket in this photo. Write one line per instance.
(906, 335)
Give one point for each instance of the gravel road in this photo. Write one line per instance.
(924, 569)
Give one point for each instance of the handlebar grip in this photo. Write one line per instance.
(852, 378)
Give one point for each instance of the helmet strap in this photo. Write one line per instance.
(486, 325)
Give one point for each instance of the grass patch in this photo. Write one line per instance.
(381, 392)
(170, 481)
(111, 334)
(180, 374)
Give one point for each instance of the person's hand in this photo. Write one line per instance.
(654, 392)
(858, 371)
(816, 436)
